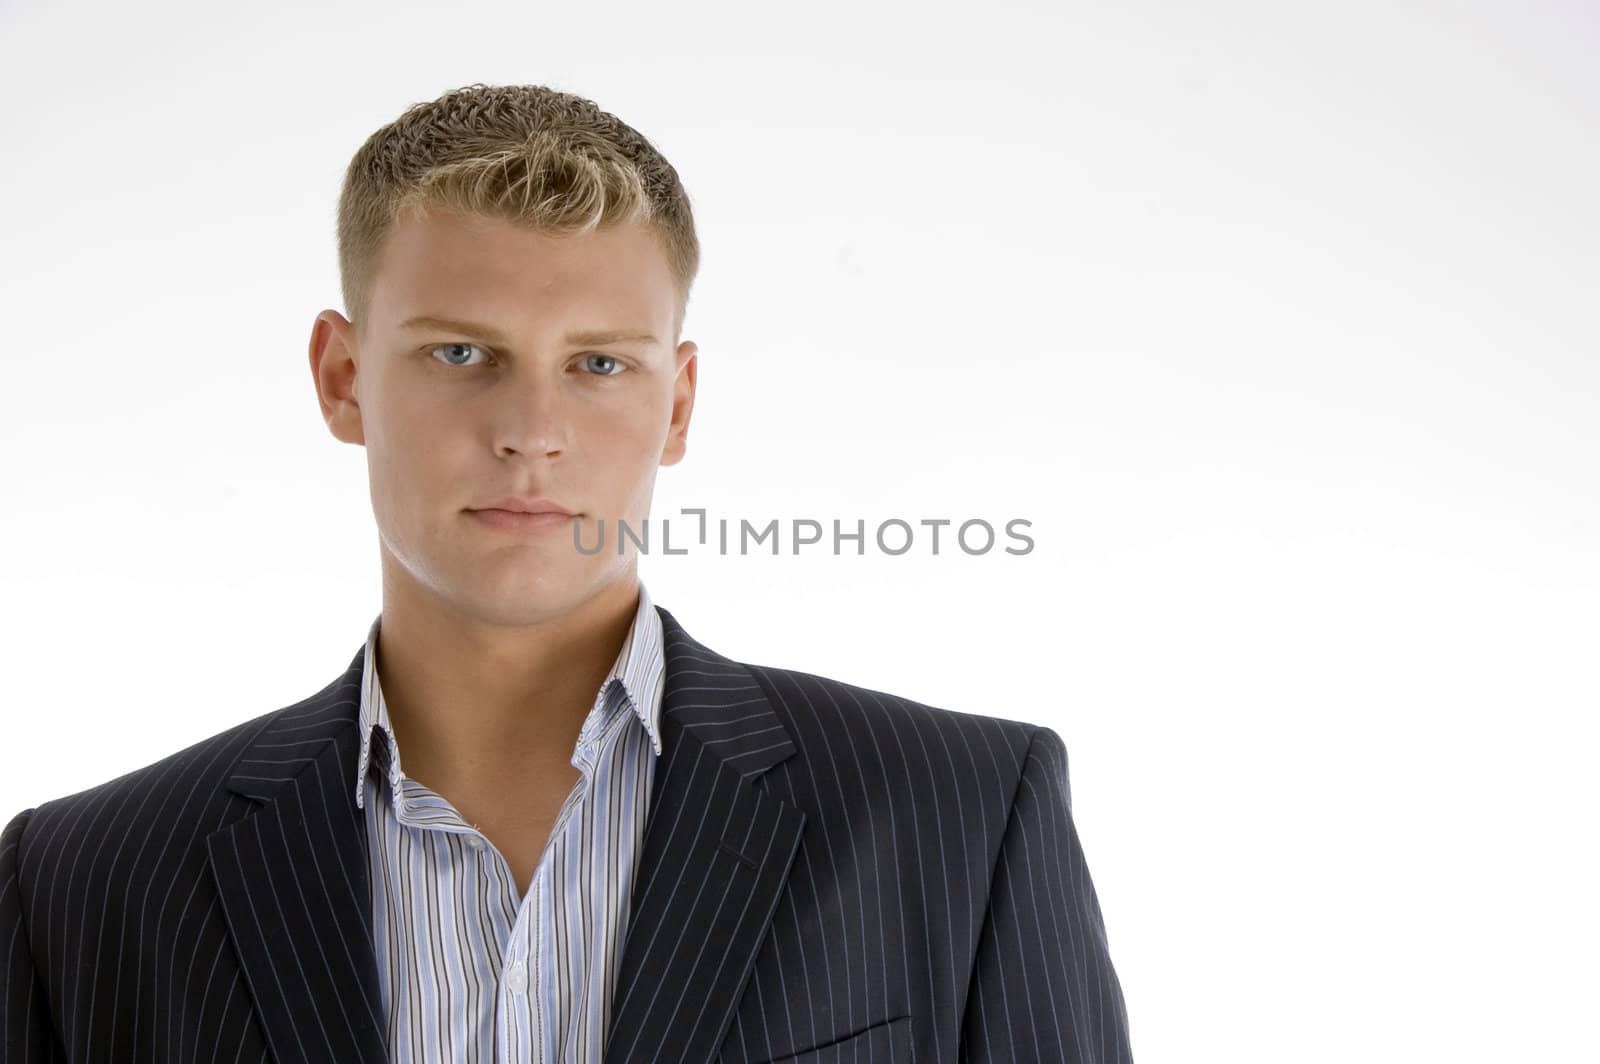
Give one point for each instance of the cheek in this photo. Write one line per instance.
(623, 451)
(631, 435)
(421, 453)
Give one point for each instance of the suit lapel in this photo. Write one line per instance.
(716, 860)
(292, 875)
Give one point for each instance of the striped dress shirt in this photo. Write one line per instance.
(470, 969)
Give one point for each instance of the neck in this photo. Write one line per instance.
(476, 705)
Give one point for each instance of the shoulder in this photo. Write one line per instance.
(886, 780)
(831, 718)
(172, 802)
(181, 787)
(852, 729)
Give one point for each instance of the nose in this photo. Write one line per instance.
(532, 420)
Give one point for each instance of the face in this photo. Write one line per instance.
(515, 403)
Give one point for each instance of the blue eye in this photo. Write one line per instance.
(616, 365)
(608, 358)
(442, 347)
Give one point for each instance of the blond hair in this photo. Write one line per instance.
(526, 154)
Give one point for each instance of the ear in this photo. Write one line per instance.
(683, 386)
(333, 372)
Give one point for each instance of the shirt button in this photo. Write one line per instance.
(517, 977)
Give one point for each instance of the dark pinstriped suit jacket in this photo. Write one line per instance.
(829, 874)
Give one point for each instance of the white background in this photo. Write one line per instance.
(1278, 321)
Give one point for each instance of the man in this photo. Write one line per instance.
(534, 819)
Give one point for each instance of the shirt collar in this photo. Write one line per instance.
(639, 674)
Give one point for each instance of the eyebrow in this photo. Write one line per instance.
(597, 337)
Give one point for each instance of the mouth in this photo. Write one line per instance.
(516, 521)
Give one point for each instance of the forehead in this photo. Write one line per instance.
(446, 259)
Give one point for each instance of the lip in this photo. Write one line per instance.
(514, 521)
(520, 504)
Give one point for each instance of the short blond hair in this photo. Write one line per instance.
(527, 154)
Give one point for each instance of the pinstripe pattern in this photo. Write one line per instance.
(470, 969)
(827, 873)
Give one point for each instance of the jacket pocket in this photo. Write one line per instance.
(888, 1042)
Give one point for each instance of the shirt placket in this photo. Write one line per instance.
(530, 980)
(517, 1016)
